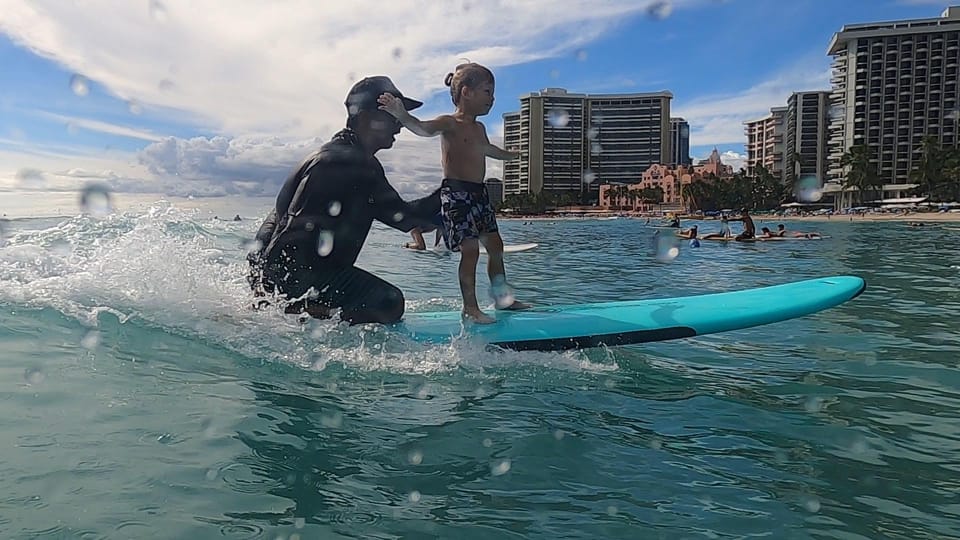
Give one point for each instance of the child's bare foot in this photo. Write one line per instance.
(477, 316)
(517, 306)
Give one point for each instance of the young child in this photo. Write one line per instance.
(468, 216)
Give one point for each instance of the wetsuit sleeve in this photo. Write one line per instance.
(390, 209)
(263, 237)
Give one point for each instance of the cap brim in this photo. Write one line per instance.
(410, 104)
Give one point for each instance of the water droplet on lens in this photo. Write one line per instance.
(813, 404)
(593, 132)
(95, 200)
(558, 117)
(859, 446)
(308, 226)
(656, 443)
(666, 247)
(487, 443)
(612, 510)
(158, 12)
(325, 243)
(558, 434)
(211, 474)
(808, 188)
(554, 73)
(414, 496)
(34, 375)
(299, 523)
(659, 10)
(589, 177)
(334, 208)
(581, 55)
(415, 457)
(30, 176)
(79, 85)
(91, 340)
(500, 467)
(397, 53)
(332, 420)
(502, 293)
(595, 148)
(811, 504)
(398, 217)
(134, 107)
(252, 245)
(61, 248)
(165, 85)
(836, 112)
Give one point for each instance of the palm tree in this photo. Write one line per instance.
(861, 171)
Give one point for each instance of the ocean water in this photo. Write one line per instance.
(140, 399)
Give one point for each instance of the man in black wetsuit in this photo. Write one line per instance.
(324, 211)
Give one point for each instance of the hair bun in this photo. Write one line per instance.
(448, 80)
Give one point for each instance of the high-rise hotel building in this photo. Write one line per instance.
(575, 142)
(894, 83)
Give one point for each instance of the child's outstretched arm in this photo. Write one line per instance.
(494, 151)
(423, 128)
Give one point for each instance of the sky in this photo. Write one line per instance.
(205, 98)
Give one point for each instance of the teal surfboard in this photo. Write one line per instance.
(638, 321)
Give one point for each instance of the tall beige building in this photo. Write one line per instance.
(807, 127)
(575, 142)
(894, 83)
(765, 142)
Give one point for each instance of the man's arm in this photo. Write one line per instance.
(392, 210)
(423, 128)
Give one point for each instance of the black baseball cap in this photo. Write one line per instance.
(364, 94)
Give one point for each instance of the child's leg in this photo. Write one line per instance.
(495, 270)
(469, 255)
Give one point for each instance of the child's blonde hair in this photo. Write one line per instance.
(469, 75)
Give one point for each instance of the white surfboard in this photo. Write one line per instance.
(507, 248)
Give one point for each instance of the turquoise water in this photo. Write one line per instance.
(138, 399)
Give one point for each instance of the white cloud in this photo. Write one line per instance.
(718, 119)
(75, 122)
(270, 79)
(259, 68)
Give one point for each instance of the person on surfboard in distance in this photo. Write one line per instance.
(749, 229)
(468, 215)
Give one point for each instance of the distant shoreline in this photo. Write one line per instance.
(944, 217)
